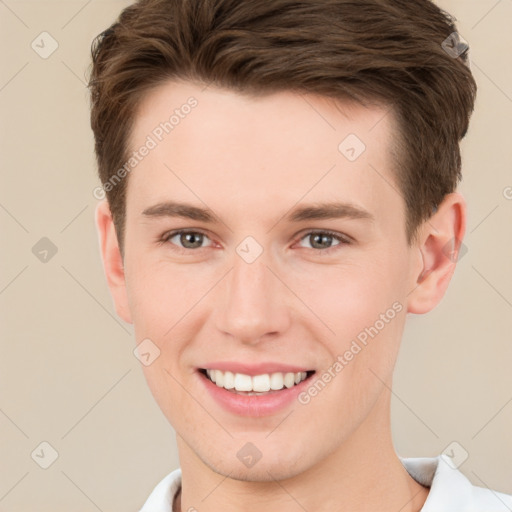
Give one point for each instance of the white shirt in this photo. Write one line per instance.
(450, 490)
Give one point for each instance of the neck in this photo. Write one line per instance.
(364, 474)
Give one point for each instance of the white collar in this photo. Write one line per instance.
(450, 490)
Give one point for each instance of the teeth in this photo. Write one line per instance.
(276, 381)
(229, 380)
(261, 383)
(289, 380)
(242, 382)
(258, 383)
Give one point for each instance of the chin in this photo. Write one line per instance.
(279, 468)
(268, 473)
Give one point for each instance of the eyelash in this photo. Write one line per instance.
(342, 239)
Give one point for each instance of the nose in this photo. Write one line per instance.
(253, 303)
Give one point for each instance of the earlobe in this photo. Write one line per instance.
(439, 246)
(113, 265)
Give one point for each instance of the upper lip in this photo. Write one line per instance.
(254, 369)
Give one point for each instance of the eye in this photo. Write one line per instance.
(323, 240)
(186, 239)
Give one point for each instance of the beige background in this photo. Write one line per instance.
(68, 375)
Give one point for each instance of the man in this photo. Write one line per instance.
(280, 182)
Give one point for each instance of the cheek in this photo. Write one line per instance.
(351, 297)
(162, 293)
(362, 304)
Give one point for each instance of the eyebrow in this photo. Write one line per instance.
(319, 211)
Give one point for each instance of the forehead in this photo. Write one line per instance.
(261, 152)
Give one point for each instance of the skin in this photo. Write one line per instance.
(251, 161)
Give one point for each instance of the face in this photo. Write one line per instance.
(263, 239)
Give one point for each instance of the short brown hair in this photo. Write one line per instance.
(404, 54)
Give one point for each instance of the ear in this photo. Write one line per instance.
(112, 260)
(439, 245)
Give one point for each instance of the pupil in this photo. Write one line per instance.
(318, 237)
(191, 239)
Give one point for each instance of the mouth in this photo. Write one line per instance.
(255, 385)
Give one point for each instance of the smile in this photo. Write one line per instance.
(256, 384)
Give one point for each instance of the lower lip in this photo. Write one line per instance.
(253, 405)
